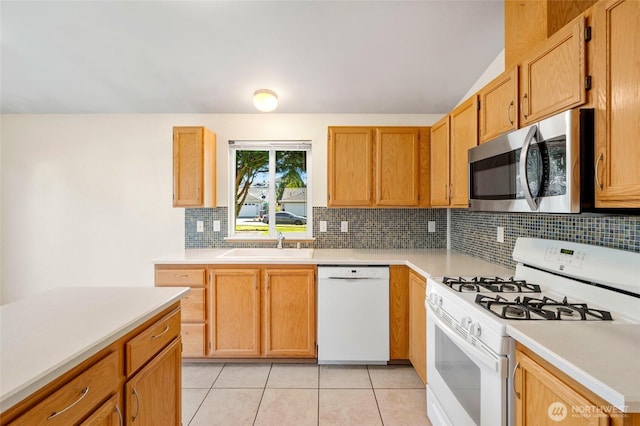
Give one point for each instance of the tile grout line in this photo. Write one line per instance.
(264, 388)
(205, 395)
(375, 396)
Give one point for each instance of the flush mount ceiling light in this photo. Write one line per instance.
(265, 100)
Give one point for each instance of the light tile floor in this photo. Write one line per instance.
(301, 394)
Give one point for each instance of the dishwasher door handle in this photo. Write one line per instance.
(351, 278)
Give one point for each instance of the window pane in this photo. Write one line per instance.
(291, 192)
(251, 192)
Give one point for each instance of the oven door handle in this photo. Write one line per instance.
(524, 181)
(495, 363)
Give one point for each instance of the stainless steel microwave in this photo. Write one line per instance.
(540, 168)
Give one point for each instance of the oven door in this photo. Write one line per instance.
(467, 385)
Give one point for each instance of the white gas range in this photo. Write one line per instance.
(470, 356)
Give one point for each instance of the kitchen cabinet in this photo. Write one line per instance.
(134, 380)
(418, 325)
(451, 139)
(499, 106)
(616, 83)
(378, 167)
(398, 312)
(194, 162)
(529, 23)
(543, 398)
(552, 77)
(194, 318)
(262, 312)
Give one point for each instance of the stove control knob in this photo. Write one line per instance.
(474, 329)
(465, 322)
(439, 300)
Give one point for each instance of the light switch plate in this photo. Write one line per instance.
(500, 234)
(344, 226)
(199, 226)
(431, 226)
(216, 226)
(323, 226)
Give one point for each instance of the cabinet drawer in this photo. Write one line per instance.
(180, 276)
(151, 341)
(193, 340)
(193, 306)
(79, 397)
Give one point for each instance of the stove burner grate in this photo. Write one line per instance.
(490, 284)
(529, 308)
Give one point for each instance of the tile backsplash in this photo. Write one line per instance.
(368, 228)
(474, 233)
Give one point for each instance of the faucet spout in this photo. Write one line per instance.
(280, 240)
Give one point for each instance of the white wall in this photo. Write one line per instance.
(86, 199)
(494, 69)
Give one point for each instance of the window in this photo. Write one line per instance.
(270, 179)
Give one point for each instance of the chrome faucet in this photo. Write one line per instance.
(280, 240)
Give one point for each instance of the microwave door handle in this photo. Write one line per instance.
(524, 153)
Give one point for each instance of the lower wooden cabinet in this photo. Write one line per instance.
(153, 395)
(262, 312)
(547, 397)
(136, 380)
(398, 312)
(418, 325)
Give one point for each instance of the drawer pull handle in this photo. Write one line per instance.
(117, 410)
(135, 393)
(84, 393)
(166, 328)
(180, 275)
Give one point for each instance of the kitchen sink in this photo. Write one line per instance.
(267, 253)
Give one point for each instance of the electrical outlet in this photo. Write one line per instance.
(344, 226)
(199, 226)
(323, 226)
(431, 226)
(216, 226)
(500, 236)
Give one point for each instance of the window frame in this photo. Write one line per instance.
(272, 146)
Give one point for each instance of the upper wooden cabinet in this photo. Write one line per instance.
(552, 77)
(378, 167)
(617, 112)
(499, 106)
(194, 175)
(530, 22)
(451, 139)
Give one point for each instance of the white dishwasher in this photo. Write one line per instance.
(353, 314)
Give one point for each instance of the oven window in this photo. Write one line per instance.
(460, 374)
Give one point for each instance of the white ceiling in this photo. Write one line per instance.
(210, 56)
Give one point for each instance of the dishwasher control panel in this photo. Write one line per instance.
(353, 272)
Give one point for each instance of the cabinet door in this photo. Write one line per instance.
(193, 167)
(463, 136)
(617, 85)
(350, 167)
(440, 163)
(499, 106)
(193, 340)
(398, 312)
(553, 78)
(289, 304)
(109, 414)
(235, 313)
(153, 396)
(543, 399)
(397, 166)
(418, 325)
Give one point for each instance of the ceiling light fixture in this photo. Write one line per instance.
(265, 100)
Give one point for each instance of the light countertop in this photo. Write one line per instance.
(44, 336)
(602, 356)
(427, 262)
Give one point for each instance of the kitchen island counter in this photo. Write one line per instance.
(44, 336)
(427, 262)
(601, 356)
